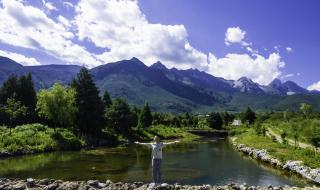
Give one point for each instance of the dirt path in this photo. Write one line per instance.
(290, 141)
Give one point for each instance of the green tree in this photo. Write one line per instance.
(306, 109)
(57, 105)
(120, 117)
(90, 115)
(248, 116)
(14, 109)
(8, 89)
(227, 118)
(314, 138)
(215, 121)
(106, 99)
(27, 95)
(283, 137)
(145, 117)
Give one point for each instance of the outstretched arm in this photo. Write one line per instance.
(146, 144)
(171, 142)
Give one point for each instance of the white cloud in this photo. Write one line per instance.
(314, 86)
(26, 61)
(260, 69)
(288, 75)
(289, 49)
(64, 21)
(235, 35)
(29, 27)
(67, 4)
(121, 27)
(49, 6)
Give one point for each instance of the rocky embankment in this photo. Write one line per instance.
(294, 166)
(49, 184)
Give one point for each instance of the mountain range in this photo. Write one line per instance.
(172, 90)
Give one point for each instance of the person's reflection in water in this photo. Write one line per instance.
(156, 155)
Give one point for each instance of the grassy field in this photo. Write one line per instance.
(36, 138)
(33, 138)
(283, 152)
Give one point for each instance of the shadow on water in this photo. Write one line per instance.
(199, 162)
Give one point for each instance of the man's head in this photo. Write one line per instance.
(156, 139)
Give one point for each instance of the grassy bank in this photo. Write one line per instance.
(282, 152)
(37, 138)
(32, 138)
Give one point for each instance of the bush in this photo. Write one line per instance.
(37, 138)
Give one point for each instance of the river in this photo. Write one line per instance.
(199, 162)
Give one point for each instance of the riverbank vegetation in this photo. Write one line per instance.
(76, 116)
(286, 135)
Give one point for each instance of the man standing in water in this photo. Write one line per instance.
(156, 157)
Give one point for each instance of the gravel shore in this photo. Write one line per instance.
(51, 184)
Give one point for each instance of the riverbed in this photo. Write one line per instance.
(199, 162)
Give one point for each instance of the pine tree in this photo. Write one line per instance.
(248, 116)
(106, 99)
(8, 89)
(145, 117)
(26, 94)
(215, 121)
(90, 115)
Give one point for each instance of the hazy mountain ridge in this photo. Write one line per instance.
(171, 89)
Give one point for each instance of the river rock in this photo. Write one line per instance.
(52, 186)
(30, 182)
(44, 181)
(93, 183)
(19, 186)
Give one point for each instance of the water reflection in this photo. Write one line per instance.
(201, 162)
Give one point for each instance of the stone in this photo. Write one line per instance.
(93, 183)
(44, 181)
(19, 186)
(30, 182)
(101, 185)
(52, 186)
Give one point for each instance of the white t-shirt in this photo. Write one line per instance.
(157, 150)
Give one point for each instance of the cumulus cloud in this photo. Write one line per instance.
(260, 69)
(314, 86)
(26, 61)
(29, 27)
(120, 27)
(235, 35)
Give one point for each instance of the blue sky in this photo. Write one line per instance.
(262, 40)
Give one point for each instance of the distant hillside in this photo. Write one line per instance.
(172, 90)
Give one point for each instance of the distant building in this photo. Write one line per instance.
(236, 122)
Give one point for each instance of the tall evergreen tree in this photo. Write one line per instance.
(90, 115)
(215, 121)
(248, 116)
(8, 89)
(145, 117)
(106, 99)
(26, 94)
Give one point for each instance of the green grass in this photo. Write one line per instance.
(169, 133)
(32, 138)
(281, 151)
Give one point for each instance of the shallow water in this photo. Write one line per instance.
(201, 162)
